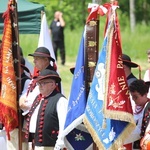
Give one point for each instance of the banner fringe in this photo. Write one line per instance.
(93, 133)
(11, 124)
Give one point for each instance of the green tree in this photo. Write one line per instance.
(75, 11)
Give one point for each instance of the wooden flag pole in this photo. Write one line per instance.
(91, 51)
(91, 54)
(17, 64)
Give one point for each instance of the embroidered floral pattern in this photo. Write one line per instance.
(114, 98)
(79, 137)
(111, 137)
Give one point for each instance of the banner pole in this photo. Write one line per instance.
(17, 64)
(91, 52)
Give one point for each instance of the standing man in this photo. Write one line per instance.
(57, 32)
(42, 60)
(51, 107)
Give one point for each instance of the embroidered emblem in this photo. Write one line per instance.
(114, 98)
(111, 136)
(79, 137)
(100, 75)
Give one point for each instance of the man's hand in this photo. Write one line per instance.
(62, 22)
(23, 103)
(60, 14)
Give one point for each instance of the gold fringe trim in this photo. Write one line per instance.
(93, 134)
(119, 142)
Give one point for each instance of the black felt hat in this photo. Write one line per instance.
(48, 74)
(72, 70)
(127, 61)
(42, 52)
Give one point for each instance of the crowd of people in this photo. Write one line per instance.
(44, 107)
(42, 100)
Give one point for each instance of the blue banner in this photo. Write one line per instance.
(76, 137)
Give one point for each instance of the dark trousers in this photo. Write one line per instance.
(61, 46)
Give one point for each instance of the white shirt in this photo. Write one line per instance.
(30, 98)
(25, 88)
(135, 134)
(33, 120)
(3, 141)
(62, 113)
(147, 75)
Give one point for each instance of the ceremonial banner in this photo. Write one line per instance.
(45, 39)
(77, 136)
(108, 113)
(77, 99)
(8, 97)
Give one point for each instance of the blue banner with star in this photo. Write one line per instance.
(75, 137)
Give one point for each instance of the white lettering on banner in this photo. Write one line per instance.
(75, 102)
(8, 56)
(79, 72)
(92, 100)
(121, 81)
(6, 70)
(11, 83)
(95, 121)
(120, 63)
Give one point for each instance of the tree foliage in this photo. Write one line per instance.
(75, 11)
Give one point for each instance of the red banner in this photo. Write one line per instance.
(8, 97)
